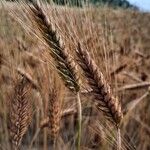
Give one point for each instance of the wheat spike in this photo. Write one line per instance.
(63, 61)
(20, 113)
(54, 114)
(101, 90)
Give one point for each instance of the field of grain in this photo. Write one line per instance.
(71, 78)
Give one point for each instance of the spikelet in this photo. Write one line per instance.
(101, 90)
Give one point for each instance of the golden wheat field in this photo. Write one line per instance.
(74, 78)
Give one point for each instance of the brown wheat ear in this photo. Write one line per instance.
(20, 113)
(54, 114)
(63, 61)
(101, 90)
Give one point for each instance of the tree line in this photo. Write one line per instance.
(113, 3)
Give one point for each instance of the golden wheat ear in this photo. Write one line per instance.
(54, 113)
(101, 90)
(63, 61)
(20, 113)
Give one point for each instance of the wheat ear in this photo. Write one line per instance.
(105, 101)
(54, 114)
(100, 88)
(64, 63)
(20, 113)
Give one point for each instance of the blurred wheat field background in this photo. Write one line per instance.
(49, 64)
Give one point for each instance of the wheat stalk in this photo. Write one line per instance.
(64, 63)
(20, 113)
(1, 59)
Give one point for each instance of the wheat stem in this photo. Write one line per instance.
(79, 108)
(34, 138)
(118, 139)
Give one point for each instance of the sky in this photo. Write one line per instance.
(142, 4)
